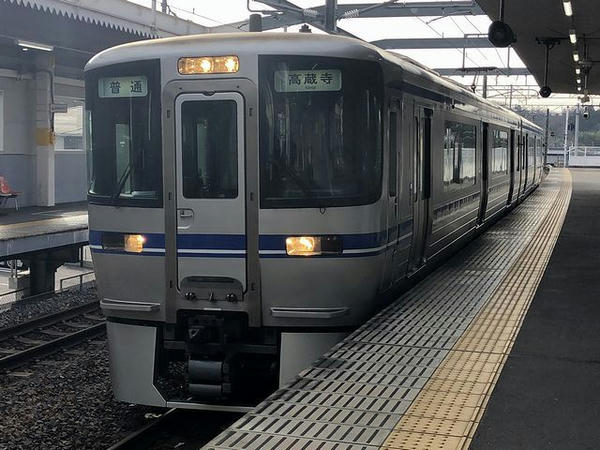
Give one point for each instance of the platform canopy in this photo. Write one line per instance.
(74, 31)
(535, 21)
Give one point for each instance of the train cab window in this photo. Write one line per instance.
(123, 134)
(209, 148)
(320, 131)
(459, 155)
(499, 152)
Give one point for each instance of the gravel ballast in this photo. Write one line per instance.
(24, 310)
(63, 401)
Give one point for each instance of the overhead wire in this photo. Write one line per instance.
(442, 36)
(426, 23)
(194, 13)
(465, 34)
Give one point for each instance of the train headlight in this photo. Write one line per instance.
(134, 243)
(313, 245)
(303, 246)
(208, 64)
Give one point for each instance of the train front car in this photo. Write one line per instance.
(237, 221)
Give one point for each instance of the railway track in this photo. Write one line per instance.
(178, 428)
(48, 334)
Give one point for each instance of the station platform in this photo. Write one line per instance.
(40, 228)
(458, 360)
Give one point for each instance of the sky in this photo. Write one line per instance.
(221, 12)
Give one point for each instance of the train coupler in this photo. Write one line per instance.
(209, 379)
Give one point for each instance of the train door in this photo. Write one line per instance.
(511, 155)
(485, 171)
(394, 127)
(210, 195)
(525, 162)
(520, 168)
(533, 158)
(421, 185)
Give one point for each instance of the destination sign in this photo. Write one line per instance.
(308, 80)
(136, 86)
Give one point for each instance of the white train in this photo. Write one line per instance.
(253, 195)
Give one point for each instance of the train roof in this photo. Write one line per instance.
(268, 43)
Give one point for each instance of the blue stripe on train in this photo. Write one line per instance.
(267, 242)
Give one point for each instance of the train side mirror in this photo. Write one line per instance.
(501, 34)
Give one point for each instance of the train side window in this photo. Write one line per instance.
(393, 175)
(459, 155)
(531, 152)
(525, 151)
(517, 152)
(209, 149)
(499, 152)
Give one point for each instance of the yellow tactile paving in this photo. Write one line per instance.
(454, 411)
(446, 412)
(436, 425)
(410, 440)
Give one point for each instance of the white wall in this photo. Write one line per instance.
(1, 120)
(17, 162)
(70, 159)
(17, 147)
(70, 176)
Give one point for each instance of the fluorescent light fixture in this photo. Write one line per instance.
(577, 71)
(34, 45)
(573, 37)
(575, 56)
(568, 8)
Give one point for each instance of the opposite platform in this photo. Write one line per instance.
(39, 228)
(419, 373)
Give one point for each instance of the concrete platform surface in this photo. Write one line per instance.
(548, 395)
(42, 220)
(38, 228)
(419, 374)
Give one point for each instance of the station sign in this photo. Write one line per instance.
(308, 80)
(136, 86)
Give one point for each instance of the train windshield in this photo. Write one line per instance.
(320, 132)
(123, 134)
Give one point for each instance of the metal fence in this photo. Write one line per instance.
(65, 284)
(584, 157)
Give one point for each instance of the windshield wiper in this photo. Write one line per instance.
(121, 185)
(126, 175)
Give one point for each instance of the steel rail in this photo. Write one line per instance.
(142, 437)
(47, 320)
(177, 425)
(15, 360)
(68, 339)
